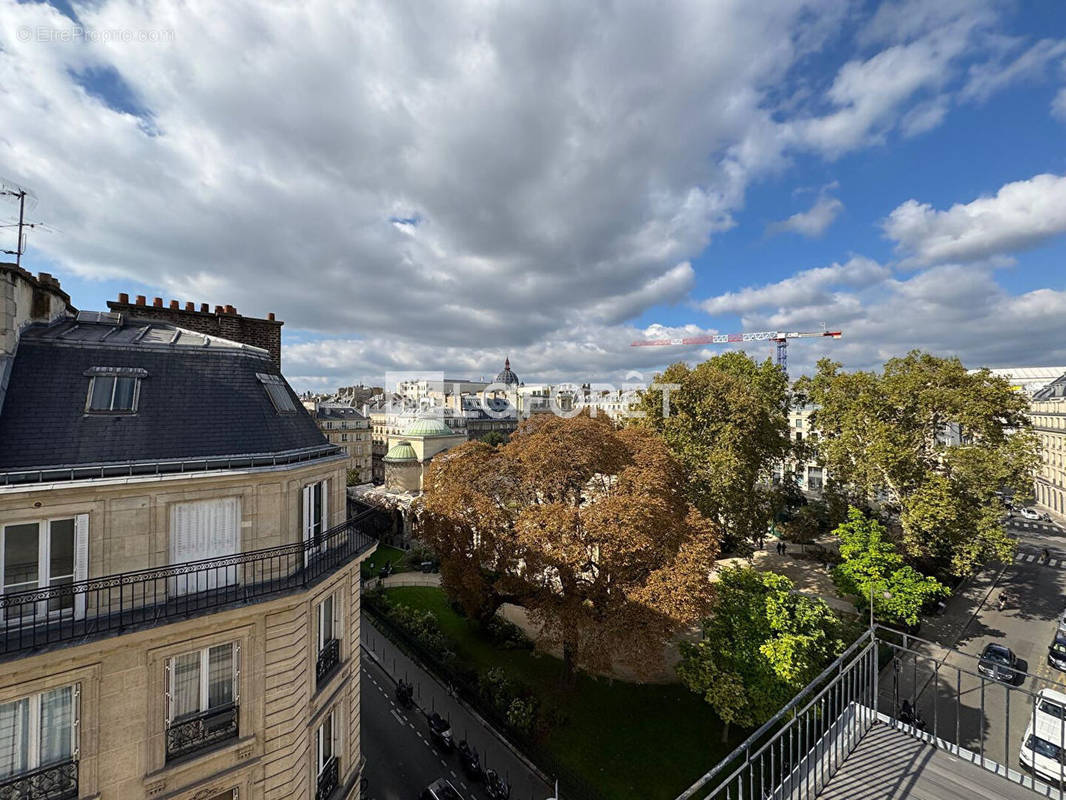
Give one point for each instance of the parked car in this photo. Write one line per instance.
(440, 789)
(1030, 513)
(998, 663)
(1062, 621)
(1042, 749)
(1056, 651)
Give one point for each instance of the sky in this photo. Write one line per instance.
(429, 186)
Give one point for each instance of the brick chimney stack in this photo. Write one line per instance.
(224, 322)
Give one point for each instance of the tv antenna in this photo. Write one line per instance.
(27, 200)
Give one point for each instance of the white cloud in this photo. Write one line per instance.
(811, 287)
(948, 310)
(1021, 215)
(1058, 105)
(814, 221)
(985, 79)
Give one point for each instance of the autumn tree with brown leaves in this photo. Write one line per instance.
(586, 527)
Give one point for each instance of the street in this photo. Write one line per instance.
(1034, 595)
(400, 760)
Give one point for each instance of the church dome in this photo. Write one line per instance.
(428, 426)
(401, 451)
(507, 378)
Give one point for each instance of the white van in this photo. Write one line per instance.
(1044, 741)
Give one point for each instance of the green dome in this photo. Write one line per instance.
(428, 426)
(401, 451)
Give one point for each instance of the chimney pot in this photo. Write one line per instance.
(158, 302)
(230, 309)
(140, 300)
(270, 316)
(218, 309)
(175, 305)
(190, 305)
(204, 308)
(123, 297)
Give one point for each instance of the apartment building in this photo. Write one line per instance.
(349, 430)
(179, 587)
(1047, 411)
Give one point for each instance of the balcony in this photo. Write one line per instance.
(120, 603)
(329, 658)
(201, 731)
(327, 780)
(53, 782)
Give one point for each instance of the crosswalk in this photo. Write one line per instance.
(1035, 526)
(1030, 557)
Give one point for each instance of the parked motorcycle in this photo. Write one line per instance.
(470, 762)
(440, 731)
(405, 694)
(496, 787)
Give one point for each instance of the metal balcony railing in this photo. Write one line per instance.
(52, 782)
(328, 779)
(329, 658)
(114, 604)
(202, 731)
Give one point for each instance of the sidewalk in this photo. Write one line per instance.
(409, 579)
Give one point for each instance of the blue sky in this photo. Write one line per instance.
(570, 192)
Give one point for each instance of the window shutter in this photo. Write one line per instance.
(338, 631)
(81, 561)
(166, 694)
(76, 722)
(324, 525)
(236, 672)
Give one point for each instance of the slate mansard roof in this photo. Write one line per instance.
(201, 397)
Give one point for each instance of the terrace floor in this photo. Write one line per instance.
(890, 765)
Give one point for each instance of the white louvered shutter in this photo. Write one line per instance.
(81, 561)
(324, 523)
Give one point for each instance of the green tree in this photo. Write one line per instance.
(883, 437)
(494, 438)
(872, 564)
(762, 643)
(727, 424)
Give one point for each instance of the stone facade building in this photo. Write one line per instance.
(179, 587)
(1047, 411)
(345, 427)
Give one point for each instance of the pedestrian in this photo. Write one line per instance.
(1046, 555)
(784, 549)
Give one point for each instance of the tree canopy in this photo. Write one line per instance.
(585, 526)
(872, 564)
(884, 437)
(727, 425)
(761, 644)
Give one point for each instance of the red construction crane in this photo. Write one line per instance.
(779, 338)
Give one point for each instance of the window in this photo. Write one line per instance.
(204, 529)
(202, 681)
(329, 631)
(344, 437)
(41, 554)
(40, 731)
(327, 621)
(278, 392)
(112, 392)
(326, 767)
(202, 699)
(315, 514)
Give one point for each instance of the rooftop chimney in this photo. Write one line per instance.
(157, 302)
(123, 297)
(175, 305)
(140, 300)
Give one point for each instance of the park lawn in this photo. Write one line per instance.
(381, 555)
(633, 741)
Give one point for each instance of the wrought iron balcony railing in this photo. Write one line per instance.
(329, 658)
(114, 604)
(52, 782)
(328, 779)
(201, 731)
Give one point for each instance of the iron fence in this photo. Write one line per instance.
(328, 779)
(51, 782)
(117, 603)
(798, 751)
(202, 731)
(329, 658)
(572, 785)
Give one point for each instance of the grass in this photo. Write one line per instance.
(384, 553)
(633, 741)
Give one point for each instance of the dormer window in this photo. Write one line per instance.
(114, 390)
(278, 393)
